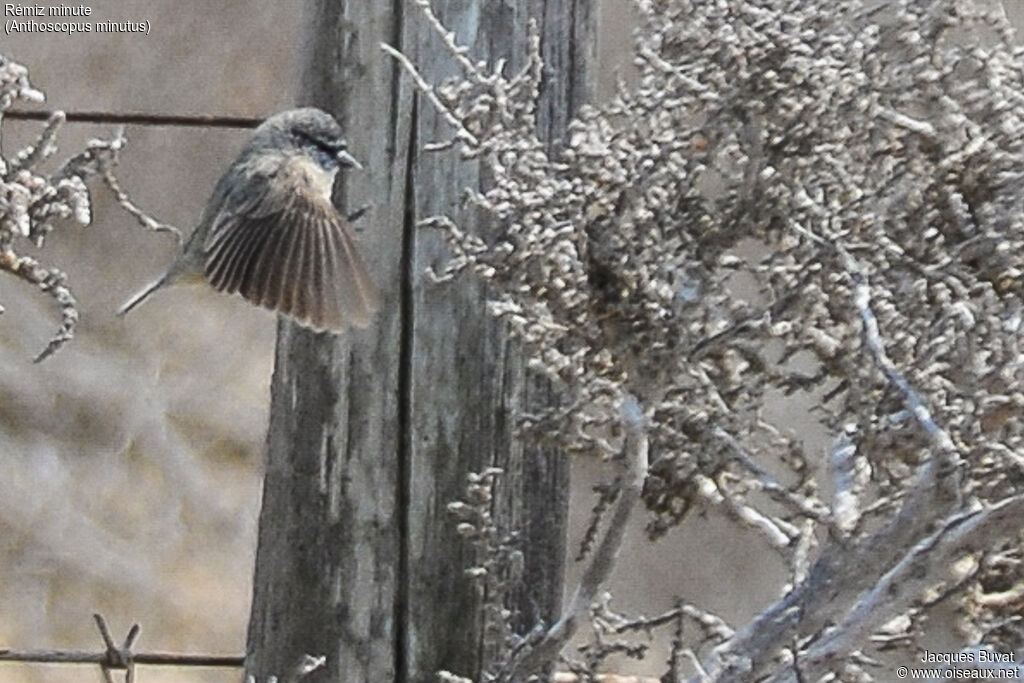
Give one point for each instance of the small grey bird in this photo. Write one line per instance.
(271, 233)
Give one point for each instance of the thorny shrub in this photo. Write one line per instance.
(791, 201)
(32, 200)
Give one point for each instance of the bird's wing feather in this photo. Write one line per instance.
(290, 250)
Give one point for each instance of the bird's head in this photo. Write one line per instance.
(308, 130)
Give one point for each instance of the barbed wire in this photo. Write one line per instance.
(116, 657)
(120, 657)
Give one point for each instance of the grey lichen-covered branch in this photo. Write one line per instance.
(789, 204)
(632, 470)
(33, 200)
(894, 593)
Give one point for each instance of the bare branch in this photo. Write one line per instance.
(429, 91)
(961, 533)
(633, 464)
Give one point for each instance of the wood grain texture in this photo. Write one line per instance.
(372, 433)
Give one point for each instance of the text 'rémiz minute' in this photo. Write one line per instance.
(10, 9)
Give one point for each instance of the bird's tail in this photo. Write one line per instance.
(144, 293)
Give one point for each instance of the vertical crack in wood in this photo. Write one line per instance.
(405, 389)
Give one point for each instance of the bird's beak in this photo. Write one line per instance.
(346, 159)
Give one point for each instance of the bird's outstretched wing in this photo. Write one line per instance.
(288, 249)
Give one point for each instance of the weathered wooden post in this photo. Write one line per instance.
(372, 433)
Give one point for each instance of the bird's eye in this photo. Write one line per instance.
(326, 160)
(325, 153)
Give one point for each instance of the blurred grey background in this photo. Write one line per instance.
(132, 458)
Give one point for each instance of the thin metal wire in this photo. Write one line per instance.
(119, 657)
(146, 658)
(193, 120)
